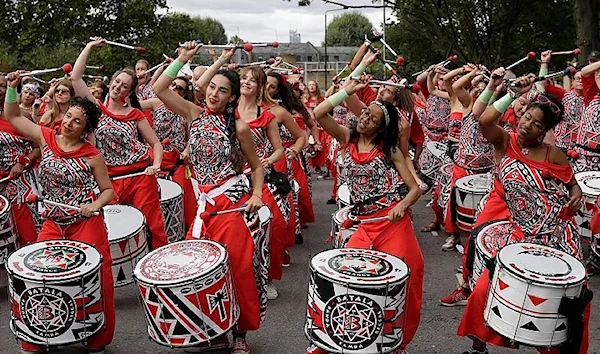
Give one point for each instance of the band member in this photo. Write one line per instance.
(81, 170)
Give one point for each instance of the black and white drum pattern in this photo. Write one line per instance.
(171, 205)
(356, 301)
(259, 225)
(55, 292)
(9, 241)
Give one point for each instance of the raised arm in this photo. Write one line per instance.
(470, 72)
(204, 80)
(171, 99)
(439, 72)
(488, 94)
(79, 85)
(12, 112)
(288, 121)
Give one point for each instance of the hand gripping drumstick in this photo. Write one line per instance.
(530, 56)
(140, 50)
(415, 88)
(348, 223)
(442, 63)
(67, 68)
(575, 51)
(246, 46)
(569, 70)
(388, 66)
(154, 68)
(205, 214)
(32, 198)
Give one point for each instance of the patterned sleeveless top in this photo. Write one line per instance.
(215, 153)
(258, 127)
(588, 138)
(373, 183)
(12, 146)
(567, 130)
(66, 178)
(437, 114)
(118, 139)
(475, 153)
(172, 126)
(287, 138)
(145, 92)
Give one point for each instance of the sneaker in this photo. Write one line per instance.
(451, 243)
(313, 349)
(272, 293)
(286, 259)
(221, 342)
(331, 201)
(476, 351)
(240, 346)
(458, 297)
(299, 238)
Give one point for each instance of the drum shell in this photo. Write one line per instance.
(126, 250)
(188, 303)
(489, 241)
(343, 196)
(444, 178)
(326, 297)
(589, 182)
(432, 159)
(171, 205)
(341, 235)
(467, 197)
(526, 311)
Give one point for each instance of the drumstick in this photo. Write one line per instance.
(348, 223)
(413, 87)
(257, 63)
(247, 46)
(388, 66)
(7, 178)
(344, 69)
(575, 51)
(154, 68)
(140, 50)
(205, 214)
(67, 68)
(130, 175)
(32, 198)
(274, 44)
(569, 70)
(530, 56)
(99, 68)
(442, 63)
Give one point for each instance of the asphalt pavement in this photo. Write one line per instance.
(282, 331)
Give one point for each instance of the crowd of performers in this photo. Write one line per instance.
(244, 135)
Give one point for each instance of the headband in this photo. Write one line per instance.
(386, 114)
(31, 87)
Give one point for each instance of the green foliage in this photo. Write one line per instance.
(348, 29)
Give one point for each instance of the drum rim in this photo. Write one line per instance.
(485, 228)
(186, 281)
(162, 283)
(583, 187)
(502, 265)
(358, 285)
(166, 182)
(130, 235)
(56, 280)
(474, 191)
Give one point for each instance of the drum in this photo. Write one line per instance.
(468, 192)
(128, 238)
(341, 235)
(187, 292)
(171, 205)
(356, 301)
(55, 292)
(488, 242)
(445, 176)
(343, 196)
(340, 169)
(434, 156)
(590, 186)
(526, 291)
(9, 241)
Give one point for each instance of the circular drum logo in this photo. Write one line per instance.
(47, 312)
(352, 321)
(55, 259)
(360, 265)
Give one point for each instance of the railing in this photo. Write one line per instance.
(335, 66)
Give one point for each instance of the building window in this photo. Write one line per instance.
(298, 58)
(309, 58)
(336, 58)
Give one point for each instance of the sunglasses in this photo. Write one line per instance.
(545, 101)
(62, 91)
(177, 87)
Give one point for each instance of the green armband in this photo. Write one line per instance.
(543, 71)
(486, 95)
(502, 104)
(492, 100)
(358, 71)
(11, 95)
(338, 97)
(174, 68)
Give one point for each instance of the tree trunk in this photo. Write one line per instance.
(586, 19)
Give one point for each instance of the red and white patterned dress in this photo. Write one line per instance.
(565, 133)
(588, 138)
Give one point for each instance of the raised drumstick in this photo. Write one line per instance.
(67, 68)
(530, 56)
(246, 46)
(32, 198)
(575, 51)
(272, 44)
(442, 63)
(414, 87)
(140, 50)
(142, 173)
(257, 63)
(99, 68)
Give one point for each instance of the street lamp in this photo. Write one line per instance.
(326, 71)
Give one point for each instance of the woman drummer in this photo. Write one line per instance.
(56, 103)
(374, 165)
(541, 194)
(120, 137)
(219, 146)
(70, 170)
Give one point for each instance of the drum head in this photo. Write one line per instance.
(169, 189)
(47, 260)
(344, 194)
(541, 264)
(4, 205)
(493, 237)
(437, 149)
(179, 262)
(358, 266)
(475, 183)
(589, 182)
(342, 215)
(122, 221)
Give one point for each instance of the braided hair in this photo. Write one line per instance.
(230, 108)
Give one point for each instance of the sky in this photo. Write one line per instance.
(271, 20)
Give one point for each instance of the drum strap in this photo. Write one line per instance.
(573, 309)
(204, 198)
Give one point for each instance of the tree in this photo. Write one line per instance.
(348, 29)
(587, 19)
(236, 39)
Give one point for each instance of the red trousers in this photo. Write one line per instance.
(398, 239)
(320, 159)
(473, 323)
(307, 215)
(142, 193)
(278, 238)
(93, 232)
(24, 223)
(231, 230)
(333, 169)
